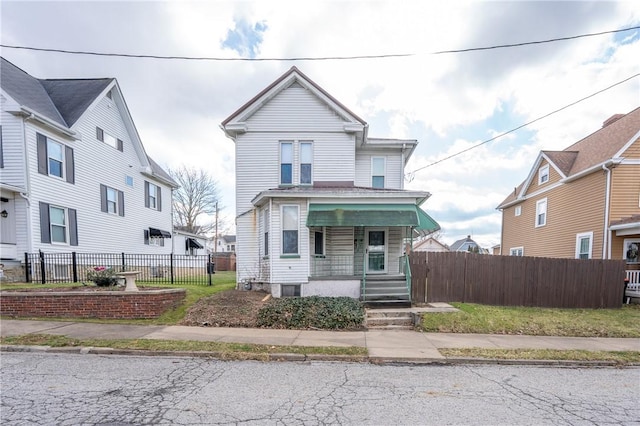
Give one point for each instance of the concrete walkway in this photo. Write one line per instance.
(382, 345)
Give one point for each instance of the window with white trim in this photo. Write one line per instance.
(631, 250)
(58, 225)
(286, 163)
(306, 163)
(378, 171)
(152, 196)
(518, 210)
(584, 245)
(516, 251)
(541, 212)
(111, 200)
(289, 230)
(55, 158)
(543, 174)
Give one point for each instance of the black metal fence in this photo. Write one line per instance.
(154, 268)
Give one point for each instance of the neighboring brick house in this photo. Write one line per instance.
(582, 202)
(74, 176)
(320, 205)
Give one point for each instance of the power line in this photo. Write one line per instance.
(310, 58)
(411, 174)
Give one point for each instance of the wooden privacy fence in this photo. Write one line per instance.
(516, 281)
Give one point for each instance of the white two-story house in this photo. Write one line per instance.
(320, 205)
(74, 175)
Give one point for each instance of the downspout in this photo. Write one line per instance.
(606, 249)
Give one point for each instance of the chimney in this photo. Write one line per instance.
(612, 119)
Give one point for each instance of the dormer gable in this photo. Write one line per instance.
(541, 174)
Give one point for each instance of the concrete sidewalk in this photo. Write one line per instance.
(389, 345)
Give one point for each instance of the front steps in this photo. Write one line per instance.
(389, 319)
(386, 290)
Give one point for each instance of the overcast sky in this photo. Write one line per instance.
(448, 102)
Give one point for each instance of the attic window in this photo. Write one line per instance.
(543, 174)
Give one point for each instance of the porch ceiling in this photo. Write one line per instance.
(370, 215)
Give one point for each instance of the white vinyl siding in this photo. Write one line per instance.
(394, 172)
(13, 172)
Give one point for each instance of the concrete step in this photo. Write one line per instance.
(389, 320)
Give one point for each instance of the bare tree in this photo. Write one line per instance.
(195, 200)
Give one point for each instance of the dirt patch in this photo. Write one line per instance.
(231, 308)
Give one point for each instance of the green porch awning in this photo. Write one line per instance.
(370, 215)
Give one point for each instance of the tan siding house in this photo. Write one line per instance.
(582, 202)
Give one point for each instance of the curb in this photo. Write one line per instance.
(290, 357)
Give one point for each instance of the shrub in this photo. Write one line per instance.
(102, 276)
(333, 313)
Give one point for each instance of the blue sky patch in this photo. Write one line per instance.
(245, 38)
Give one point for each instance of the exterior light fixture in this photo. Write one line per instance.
(4, 213)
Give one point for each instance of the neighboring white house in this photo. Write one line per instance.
(188, 244)
(226, 244)
(74, 175)
(430, 244)
(320, 205)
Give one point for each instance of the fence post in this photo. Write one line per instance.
(209, 267)
(43, 278)
(74, 266)
(27, 268)
(171, 266)
(124, 266)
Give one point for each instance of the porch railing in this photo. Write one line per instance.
(332, 266)
(405, 269)
(633, 277)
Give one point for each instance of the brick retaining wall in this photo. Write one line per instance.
(98, 304)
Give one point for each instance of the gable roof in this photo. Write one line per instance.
(589, 153)
(292, 76)
(64, 101)
(430, 241)
(463, 244)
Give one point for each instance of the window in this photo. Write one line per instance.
(518, 210)
(543, 174)
(152, 196)
(631, 251)
(111, 200)
(290, 290)
(58, 225)
(318, 243)
(55, 159)
(584, 244)
(516, 251)
(153, 240)
(289, 229)
(541, 212)
(110, 140)
(378, 167)
(128, 180)
(286, 163)
(306, 163)
(228, 247)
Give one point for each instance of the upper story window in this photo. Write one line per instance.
(55, 159)
(378, 171)
(110, 140)
(290, 230)
(128, 180)
(111, 200)
(152, 196)
(543, 174)
(541, 212)
(584, 244)
(306, 163)
(286, 163)
(518, 210)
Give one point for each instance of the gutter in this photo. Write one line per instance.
(33, 115)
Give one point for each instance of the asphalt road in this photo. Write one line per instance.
(64, 389)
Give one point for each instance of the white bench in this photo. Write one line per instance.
(129, 279)
(633, 290)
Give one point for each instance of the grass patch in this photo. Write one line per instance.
(622, 357)
(474, 318)
(224, 350)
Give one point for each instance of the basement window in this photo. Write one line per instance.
(290, 290)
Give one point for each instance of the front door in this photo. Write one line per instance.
(376, 250)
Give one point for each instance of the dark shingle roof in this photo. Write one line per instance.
(61, 101)
(562, 159)
(157, 170)
(73, 97)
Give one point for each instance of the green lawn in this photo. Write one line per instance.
(472, 318)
